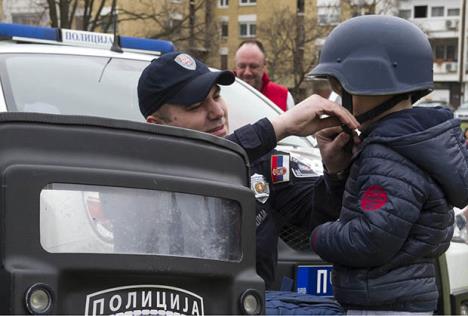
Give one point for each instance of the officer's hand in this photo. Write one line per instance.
(306, 118)
(334, 148)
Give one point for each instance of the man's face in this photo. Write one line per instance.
(250, 65)
(209, 116)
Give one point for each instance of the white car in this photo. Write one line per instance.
(462, 112)
(51, 77)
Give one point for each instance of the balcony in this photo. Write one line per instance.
(439, 27)
(446, 71)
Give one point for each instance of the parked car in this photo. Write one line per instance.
(68, 80)
(462, 112)
(432, 104)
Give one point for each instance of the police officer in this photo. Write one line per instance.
(177, 89)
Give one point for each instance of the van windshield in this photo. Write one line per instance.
(106, 87)
(72, 85)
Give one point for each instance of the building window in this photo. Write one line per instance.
(453, 12)
(329, 19)
(329, 14)
(420, 11)
(175, 22)
(223, 57)
(437, 11)
(247, 25)
(223, 62)
(404, 14)
(104, 22)
(224, 29)
(445, 52)
(26, 18)
(247, 29)
(223, 3)
(439, 52)
(247, 2)
(300, 6)
(451, 49)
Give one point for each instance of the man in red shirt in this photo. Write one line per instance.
(251, 67)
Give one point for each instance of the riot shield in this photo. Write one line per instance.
(106, 217)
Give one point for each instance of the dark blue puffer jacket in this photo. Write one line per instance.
(397, 215)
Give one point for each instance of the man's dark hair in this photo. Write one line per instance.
(254, 42)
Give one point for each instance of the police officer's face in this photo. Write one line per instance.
(250, 65)
(209, 116)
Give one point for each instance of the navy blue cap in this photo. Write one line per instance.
(177, 78)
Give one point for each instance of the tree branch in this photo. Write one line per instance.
(53, 13)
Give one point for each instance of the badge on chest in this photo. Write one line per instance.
(259, 185)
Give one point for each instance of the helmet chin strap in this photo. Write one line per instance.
(347, 101)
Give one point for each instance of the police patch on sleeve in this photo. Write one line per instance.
(304, 168)
(279, 168)
(259, 185)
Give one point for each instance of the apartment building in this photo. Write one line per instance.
(243, 19)
(25, 12)
(36, 12)
(213, 29)
(232, 21)
(238, 20)
(219, 26)
(442, 21)
(292, 30)
(287, 28)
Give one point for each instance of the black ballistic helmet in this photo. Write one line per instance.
(378, 55)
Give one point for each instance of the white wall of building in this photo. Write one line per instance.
(23, 10)
(441, 21)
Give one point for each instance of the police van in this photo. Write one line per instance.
(101, 265)
(95, 218)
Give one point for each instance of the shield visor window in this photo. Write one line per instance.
(78, 218)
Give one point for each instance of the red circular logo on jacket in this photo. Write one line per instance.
(374, 198)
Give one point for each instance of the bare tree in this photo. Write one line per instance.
(189, 26)
(83, 14)
(362, 7)
(288, 44)
(292, 38)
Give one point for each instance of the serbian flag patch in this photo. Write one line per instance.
(279, 168)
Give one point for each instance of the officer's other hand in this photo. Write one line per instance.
(307, 117)
(334, 145)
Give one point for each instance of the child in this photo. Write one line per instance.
(410, 168)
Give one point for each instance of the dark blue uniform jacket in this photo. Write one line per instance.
(397, 215)
(305, 200)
